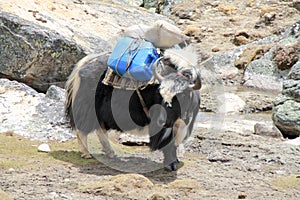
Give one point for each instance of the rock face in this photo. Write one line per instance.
(42, 40)
(34, 54)
(286, 110)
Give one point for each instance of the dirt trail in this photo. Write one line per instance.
(217, 165)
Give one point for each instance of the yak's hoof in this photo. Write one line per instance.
(86, 156)
(172, 166)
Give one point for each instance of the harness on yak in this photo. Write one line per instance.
(130, 63)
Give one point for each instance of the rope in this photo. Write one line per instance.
(146, 111)
(132, 49)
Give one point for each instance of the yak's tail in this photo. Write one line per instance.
(71, 88)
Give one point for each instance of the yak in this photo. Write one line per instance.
(166, 107)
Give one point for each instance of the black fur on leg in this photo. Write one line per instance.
(161, 139)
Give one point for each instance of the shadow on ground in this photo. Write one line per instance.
(102, 165)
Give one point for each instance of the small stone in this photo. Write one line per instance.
(215, 49)
(2, 90)
(218, 157)
(44, 148)
(210, 30)
(9, 133)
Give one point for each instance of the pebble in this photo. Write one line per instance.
(53, 195)
(44, 148)
(218, 157)
(11, 169)
(242, 196)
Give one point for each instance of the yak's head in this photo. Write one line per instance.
(181, 75)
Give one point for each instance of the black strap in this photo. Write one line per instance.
(146, 111)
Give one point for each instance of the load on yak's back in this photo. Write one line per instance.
(147, 82)
(140, 46)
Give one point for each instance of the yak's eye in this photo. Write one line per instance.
(187, 74)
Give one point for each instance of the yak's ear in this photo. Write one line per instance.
(172, 85)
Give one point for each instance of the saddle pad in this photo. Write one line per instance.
(121, 82)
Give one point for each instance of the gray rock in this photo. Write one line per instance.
(262, 74)
(55, 92)
(33, 115)
(286, 106)
(218, 156)
(295, 72)
(291, 88)
(266, 129)
(160, 6)
(286, 117)
(148, 4)
(130, 2)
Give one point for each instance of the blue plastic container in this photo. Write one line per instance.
(133, 58)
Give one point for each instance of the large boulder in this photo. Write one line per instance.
(269, 71)
(42, 40)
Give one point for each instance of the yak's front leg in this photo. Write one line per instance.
(170, 156)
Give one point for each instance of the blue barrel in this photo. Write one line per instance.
(133, 58)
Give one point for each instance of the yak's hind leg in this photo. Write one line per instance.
(82, 142)
(106, 147)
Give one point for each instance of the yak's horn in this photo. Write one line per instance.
(197, 84)
(159, 77)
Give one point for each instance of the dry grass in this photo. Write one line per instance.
(19, 153)
(287, 182)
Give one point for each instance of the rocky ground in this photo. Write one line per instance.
(226, 158)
